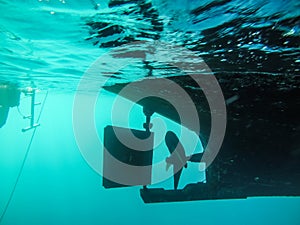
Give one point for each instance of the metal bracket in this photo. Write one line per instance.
(148, 113)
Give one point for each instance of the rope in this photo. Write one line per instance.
(23, 163)
(19, 111)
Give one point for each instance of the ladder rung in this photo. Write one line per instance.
(30, 127)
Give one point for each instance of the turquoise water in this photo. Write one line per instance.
(50, 44)
(58, 187)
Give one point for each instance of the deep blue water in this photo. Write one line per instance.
(50, 44)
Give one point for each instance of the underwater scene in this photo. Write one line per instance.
(149, 112)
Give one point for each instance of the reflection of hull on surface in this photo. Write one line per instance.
(260, 155)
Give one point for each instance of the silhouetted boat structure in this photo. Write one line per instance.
(260, 155)
(204, 191)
